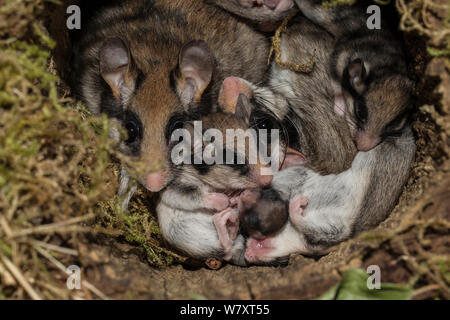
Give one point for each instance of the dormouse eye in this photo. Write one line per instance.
(133, 131)
(360, 111)
(177, 124)
(263, 121)
(265, 124)
(396, 126)
(133, 126)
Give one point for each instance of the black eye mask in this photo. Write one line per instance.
(261, 118)
(135, 130)
(175, 122)
(177, 119)
(395, 127)
(360, 111)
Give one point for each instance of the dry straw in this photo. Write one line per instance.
(276, 49)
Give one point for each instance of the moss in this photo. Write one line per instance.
(57, 162)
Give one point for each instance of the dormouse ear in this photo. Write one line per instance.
(232, 88)
(194, 72)
(357, 75)
(293, 158)
(116, 65)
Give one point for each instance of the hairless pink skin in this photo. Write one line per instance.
(218, 201)
(227, 226)
(296, 207)
(258, 248)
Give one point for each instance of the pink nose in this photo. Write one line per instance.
(365, 142)
(155, 181)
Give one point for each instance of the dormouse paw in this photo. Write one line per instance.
(216, 201)
(213, 263)
(227, 226)
(296, 207)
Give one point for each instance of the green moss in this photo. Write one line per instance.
(354, 286)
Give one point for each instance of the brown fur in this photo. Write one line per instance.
(155, 34)
(384, 104)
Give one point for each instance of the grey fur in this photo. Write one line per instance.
(383, 89)
(343, 205)
(324, 138)
(195, 234)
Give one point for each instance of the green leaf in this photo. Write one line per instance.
(353, 286)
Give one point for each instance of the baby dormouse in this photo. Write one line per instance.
(262, 212)
(199, 212)
(127, 64)
(371, 87)
(325, 210)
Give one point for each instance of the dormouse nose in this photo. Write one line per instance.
(366, 142)
(155, 181)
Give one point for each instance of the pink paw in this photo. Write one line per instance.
(248, 199)
(216, 201)
(296, 207)
(227, 226)
(234, 201)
